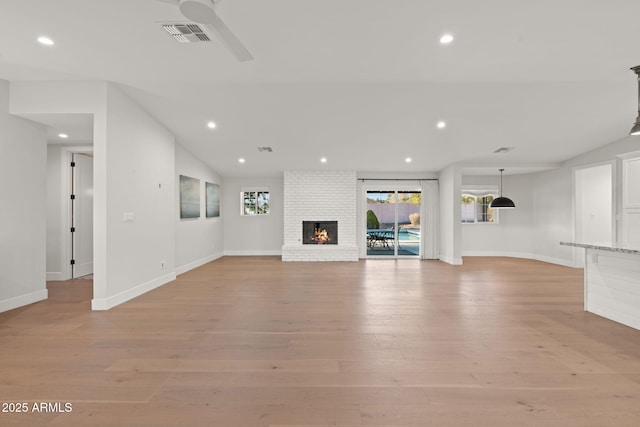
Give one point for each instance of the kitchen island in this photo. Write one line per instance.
(612, 281)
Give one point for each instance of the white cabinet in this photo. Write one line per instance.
(631, 200)
(612, 282)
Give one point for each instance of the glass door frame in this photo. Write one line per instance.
(394, 187)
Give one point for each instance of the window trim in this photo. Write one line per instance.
(479, 191)
(256, 196)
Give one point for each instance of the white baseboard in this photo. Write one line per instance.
(450, 260)
(195, 264)
(554, 260)
(551, 260)
(110, 302)
(22, 300)
(498, 254)
(55, 276)
(272, 252)
(85, 269)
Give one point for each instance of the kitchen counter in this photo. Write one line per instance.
(612, 281)
(624, 249)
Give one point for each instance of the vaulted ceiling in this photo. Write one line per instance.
(360, 82)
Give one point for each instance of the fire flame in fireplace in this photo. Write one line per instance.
(321, 235)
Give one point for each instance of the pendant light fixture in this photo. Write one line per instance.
(635, 130)
(502, 202)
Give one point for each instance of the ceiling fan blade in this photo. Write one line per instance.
(224, 35)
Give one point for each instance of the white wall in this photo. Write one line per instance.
(594, 202)
(553, 220)
(450, 184)
(54, 214)
(23, 174)
(140, 180)
(537, 225)
(199, 240)
(543, 217)
(133, 156)
(257, 234)
(554, 204)
(512, 235)
(610, 152)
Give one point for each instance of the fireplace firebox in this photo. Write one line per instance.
(320, 232)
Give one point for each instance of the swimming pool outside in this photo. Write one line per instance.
(404, 235)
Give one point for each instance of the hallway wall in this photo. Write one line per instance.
(23, 168)
(198, 240)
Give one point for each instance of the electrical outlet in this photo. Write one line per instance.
(162, 264)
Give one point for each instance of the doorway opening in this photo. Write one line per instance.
(594, 207)
(81, 215)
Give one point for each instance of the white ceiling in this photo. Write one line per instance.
(77, 127)
(361, 82)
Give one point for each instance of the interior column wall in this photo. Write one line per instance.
(450, 183)
(23, 166)
(141, 186)
(54, 214)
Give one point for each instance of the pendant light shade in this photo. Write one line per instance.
(502, 202)
(635, 130)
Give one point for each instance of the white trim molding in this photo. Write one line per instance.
(55, 276)
(98, 304)
(198, 263)
(274, 252)
(22, 300)
(450, 260)
(550, 260)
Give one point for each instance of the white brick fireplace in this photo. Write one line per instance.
(320, 196)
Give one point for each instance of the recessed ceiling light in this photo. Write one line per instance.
(446, 39)
(45, 41)
(63, 135)
(408, 160)
(211, 125)
(323, 160)
(241, 160)
(441, 124)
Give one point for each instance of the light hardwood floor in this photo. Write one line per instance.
(257, 342)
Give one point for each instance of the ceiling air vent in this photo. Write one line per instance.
(265, 149)
(187, 32)
(503, 150)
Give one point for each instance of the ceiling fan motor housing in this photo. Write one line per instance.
(200, 11)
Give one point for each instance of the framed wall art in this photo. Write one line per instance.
(189, 197)
(212, 195)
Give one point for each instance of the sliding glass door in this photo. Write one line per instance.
(381, 223)
(393, 223)
(408, 223)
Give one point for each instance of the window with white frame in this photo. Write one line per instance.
(254, 202)
(475, 205)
